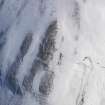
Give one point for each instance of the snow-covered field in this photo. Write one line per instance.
(52, 52)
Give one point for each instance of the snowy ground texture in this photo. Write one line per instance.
(52, 52)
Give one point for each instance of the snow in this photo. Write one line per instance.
(78, 62)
